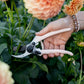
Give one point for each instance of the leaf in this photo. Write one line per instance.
(2, 24)
(24, 72)
(6, 56)
(33, 59)
(2, 47)
(72, 82)
(2, 40)
(21, 78)
(42, 66)
(60, 64)
(33, 73)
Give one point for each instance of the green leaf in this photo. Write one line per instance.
(6, 57)
(72, 82)
(2, 47)
(21, 78)
(33, 73)
(33, 59)
(42, 66)
(2, 40)
(2, 24)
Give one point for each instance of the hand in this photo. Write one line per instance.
(57, 41)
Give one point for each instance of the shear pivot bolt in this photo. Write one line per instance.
(33, 43)
(30, 48)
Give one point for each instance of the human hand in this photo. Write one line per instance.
(57, 41)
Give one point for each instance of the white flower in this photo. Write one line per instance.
(5, 74)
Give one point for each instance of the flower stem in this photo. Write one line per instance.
(10, 14)
(81, 59)
(44, 23)
(18, 19)
(80, 77)
(29, 26)
(23, 37)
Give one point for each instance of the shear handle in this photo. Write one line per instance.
(48, 51)
(40, 38)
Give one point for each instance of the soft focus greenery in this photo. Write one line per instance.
(17, 28)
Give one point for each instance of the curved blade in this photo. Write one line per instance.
(22, 55)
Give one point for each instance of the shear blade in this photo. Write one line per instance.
(22, 55)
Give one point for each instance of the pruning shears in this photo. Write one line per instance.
(32, 49)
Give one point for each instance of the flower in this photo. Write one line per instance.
(72, 59)
(43, 9)
(73, 7)
(81, 44)
(5, 74)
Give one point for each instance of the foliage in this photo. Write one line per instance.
(17, 28)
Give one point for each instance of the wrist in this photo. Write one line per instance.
(80, 17)
(70, 23)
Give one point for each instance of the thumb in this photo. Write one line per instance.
(44, 31)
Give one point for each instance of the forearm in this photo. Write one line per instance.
(80, 17)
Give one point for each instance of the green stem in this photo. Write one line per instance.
(18, 18)
(44, 23)
(18, 48)
(81, 59)
(11, 5)
(10, 14)
(23, 37)
(80, 77)
(29, 28)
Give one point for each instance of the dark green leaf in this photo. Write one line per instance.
(2, 47)
(42, 66)
(6, 56)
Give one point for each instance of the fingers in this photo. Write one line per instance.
(57, 47)
(46, 46)
(51, 46)
(45, 56)
(62, 47)
(44, 31)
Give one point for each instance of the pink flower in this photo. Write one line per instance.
(43, 9)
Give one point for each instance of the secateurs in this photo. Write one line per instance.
(32, 49)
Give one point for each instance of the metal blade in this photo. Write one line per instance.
(22, 55)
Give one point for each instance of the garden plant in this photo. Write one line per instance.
(18, 28)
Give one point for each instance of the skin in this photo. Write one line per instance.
(59, 41)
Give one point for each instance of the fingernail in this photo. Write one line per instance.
(61, 55)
